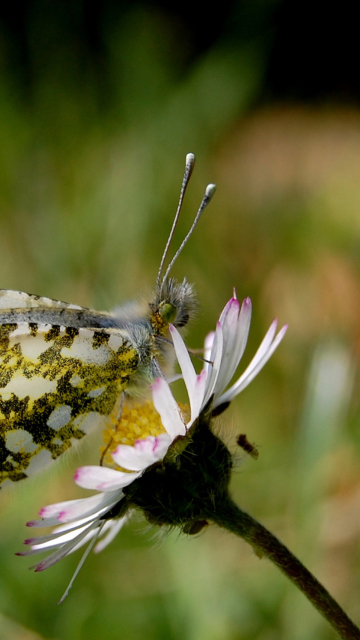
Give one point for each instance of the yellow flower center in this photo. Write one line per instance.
(138, 420)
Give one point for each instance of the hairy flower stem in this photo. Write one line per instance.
(228, 516)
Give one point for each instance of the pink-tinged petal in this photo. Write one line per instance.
(64, 532)
(68, 538)
(144, 452)
(166, 405)
(51, 537)
(32, 540)
(75, 508)
(230, 313)
(229, 323)
(241, 338)
(105, 501)
(184, 360)
(53, 510)
(252, 370)
(65, 549)
(161, 445)
(236, 325)
(54, 540)
(102, 478)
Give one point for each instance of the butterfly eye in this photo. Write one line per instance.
(168, 312)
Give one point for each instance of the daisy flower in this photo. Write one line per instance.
(182, 459)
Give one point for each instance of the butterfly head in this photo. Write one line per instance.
(175, 303)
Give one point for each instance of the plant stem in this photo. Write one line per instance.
(229, 516)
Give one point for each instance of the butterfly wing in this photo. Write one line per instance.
(19, 307)
(56, 383)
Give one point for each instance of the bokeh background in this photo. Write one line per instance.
(99, 103)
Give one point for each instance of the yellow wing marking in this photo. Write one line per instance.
(55, 384)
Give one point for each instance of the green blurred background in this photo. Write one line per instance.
(98, 106)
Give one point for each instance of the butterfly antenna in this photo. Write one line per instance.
(209, 192)
(189, 166)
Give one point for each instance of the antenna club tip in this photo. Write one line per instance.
(190, 159)
(210, 190)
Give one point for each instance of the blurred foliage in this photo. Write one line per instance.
(93, 145)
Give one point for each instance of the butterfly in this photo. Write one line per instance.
(66, 369)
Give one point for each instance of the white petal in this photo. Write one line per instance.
(56, 539)
(83, 511)
(87, 508)
(208, 344)
(67, 526)
(228, 321)
(230, 312)
(90, 534)
(236, 325)
(215, 357)
(103, 478)
(186, 366)
(166, 405)
(74, 508)
(154, 447)
(144, 452)
(53, 510)
(200, 388)
(253, 369)
(264, 346)
(66, 548)
(113, 529)
(70, 528)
